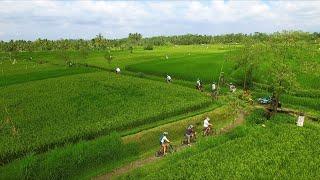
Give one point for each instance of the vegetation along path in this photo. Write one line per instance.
(142, 162)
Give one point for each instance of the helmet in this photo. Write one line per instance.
(207, 118)
(165, 133)
(190, 126)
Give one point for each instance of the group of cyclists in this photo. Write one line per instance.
(199, 85)
(190, 135)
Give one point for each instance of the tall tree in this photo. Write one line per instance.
(282, 78)
(133, 40)
(247, 60)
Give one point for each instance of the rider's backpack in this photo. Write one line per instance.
(160, 139)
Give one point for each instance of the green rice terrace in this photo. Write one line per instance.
(65, 113)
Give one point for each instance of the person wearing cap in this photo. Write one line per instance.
(117, 70)
(190, 133)
(168, 79)
(206, 126)
(164, 142)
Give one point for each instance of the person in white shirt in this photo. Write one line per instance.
(213, 86)
(164, 142)
(232, 88)
(199, 85)
(214, 90)
(117, 70)
(168, 79)
(206, 126)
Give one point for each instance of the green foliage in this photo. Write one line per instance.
(130, 48)
(108, 56)
(58, 110)
(62, 163)
(134, 38)
(101, 43)
(258, 116)
(148, 47)
(64, 56)
(25, 71)
(84, 53)
(278, 151)
(36, 116)
(247, 60)
(206, 67)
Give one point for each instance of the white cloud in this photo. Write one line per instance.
(84, 19)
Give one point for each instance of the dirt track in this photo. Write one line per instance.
(142, 162)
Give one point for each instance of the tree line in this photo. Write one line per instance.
(101, 43)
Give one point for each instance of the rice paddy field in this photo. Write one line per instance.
(70, 122)
(47, 112)
(280, 150)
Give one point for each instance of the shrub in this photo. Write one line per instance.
(148, 47)
(256, 117)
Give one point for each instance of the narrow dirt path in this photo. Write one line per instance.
(142, 162)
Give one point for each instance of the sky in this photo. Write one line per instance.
(85, 19)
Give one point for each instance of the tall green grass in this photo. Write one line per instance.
(69, 161)
(25, 71)
(204, 66)
(38, 115)
(281, 150)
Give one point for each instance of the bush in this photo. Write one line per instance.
(148, 47)
(256, 117)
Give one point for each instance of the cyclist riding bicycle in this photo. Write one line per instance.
(190, 134)
(164, 142)
(206, 126)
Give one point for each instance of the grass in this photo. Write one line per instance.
(281, 150)
(105, 153)
(62, 163)
(204, 66)
(25, 71)
(44, 105)
(38, 115)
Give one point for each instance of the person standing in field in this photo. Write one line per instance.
(206, 126)
(232, 88)
(118, 70)
(164, 142)
(168, 79)
(214, 89)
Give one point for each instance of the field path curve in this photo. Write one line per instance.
(142, 162)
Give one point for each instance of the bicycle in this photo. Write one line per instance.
(160, 153)
(192, 139)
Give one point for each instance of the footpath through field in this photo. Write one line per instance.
(150, 159)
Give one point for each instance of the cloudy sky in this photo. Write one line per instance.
(115, 19)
